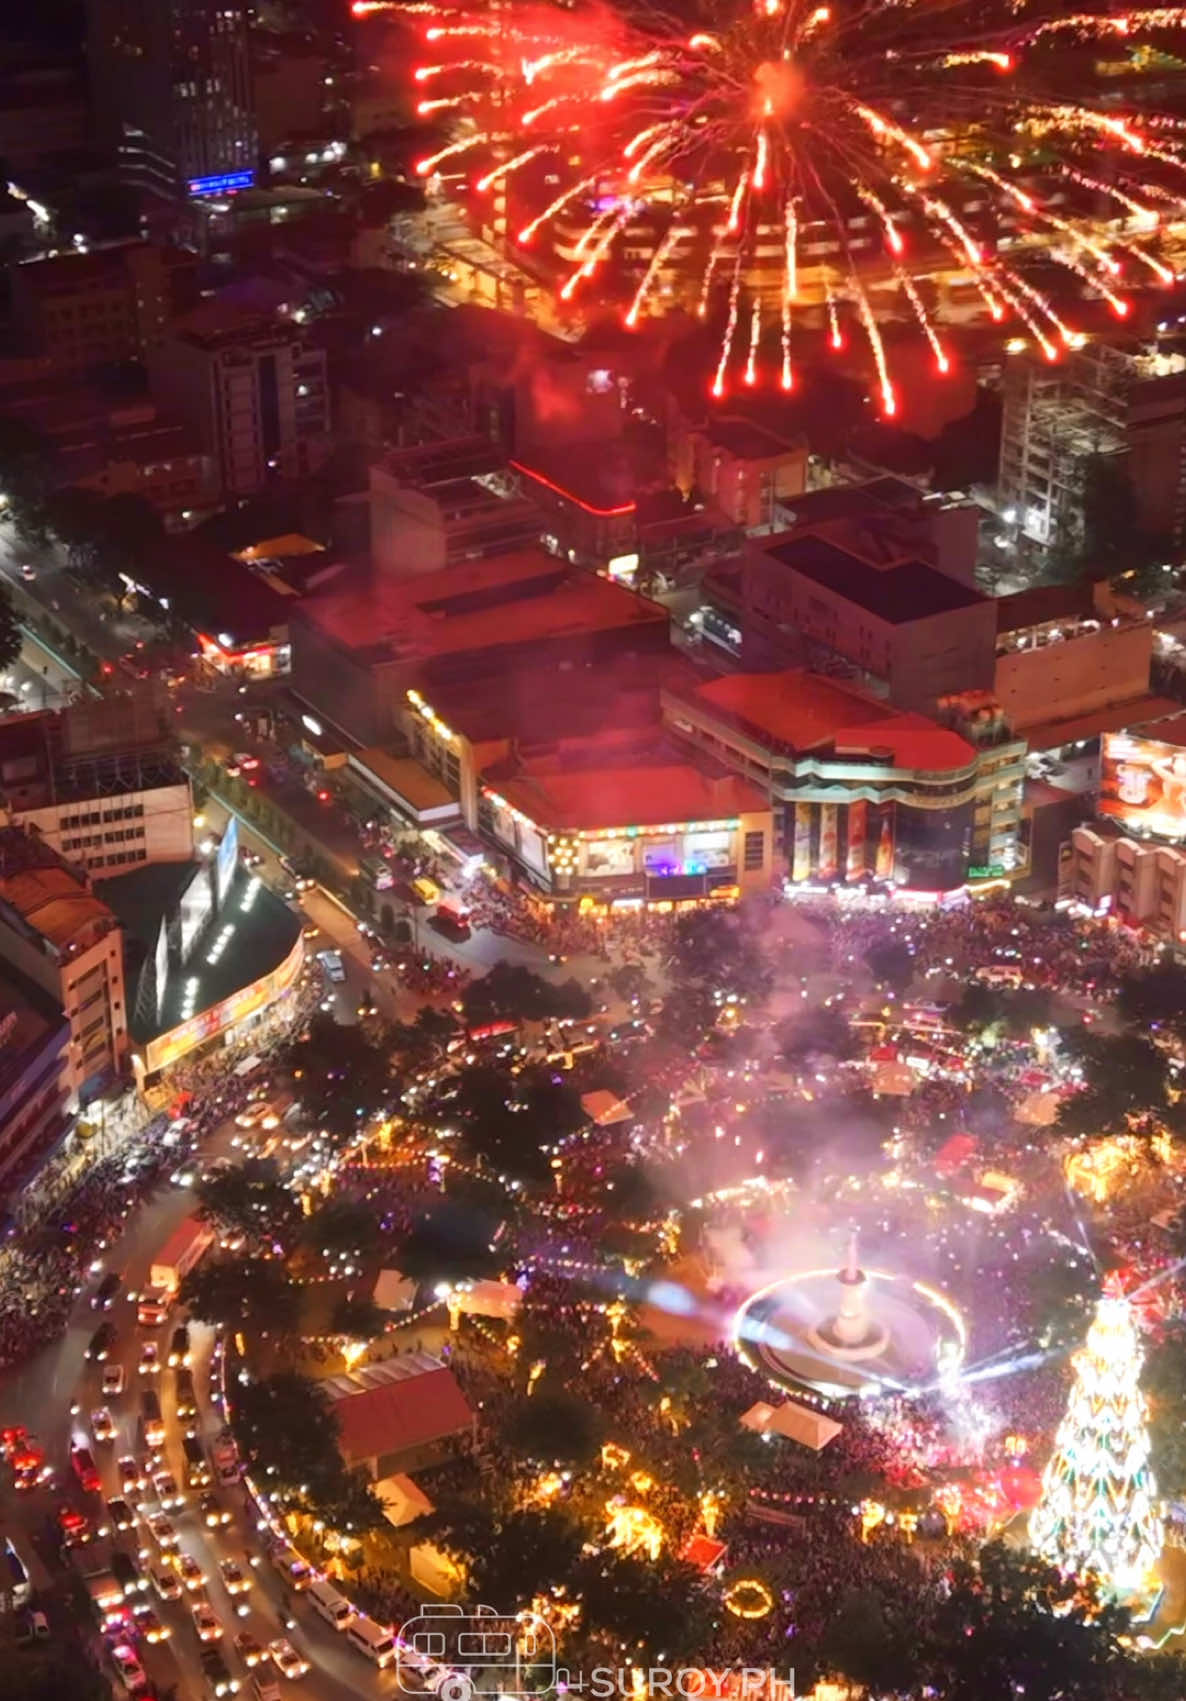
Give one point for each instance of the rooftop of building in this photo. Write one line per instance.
(86, 268)
(852, 501)
(535, 706)
(40, 764)
(1043, 604)
(425, 465)
(748, 441)
(220, 324)
(53, 900)
(517, 598)
(799, 712)
(651, 796)
(408, 1401)
(265, 932)
(867, 570)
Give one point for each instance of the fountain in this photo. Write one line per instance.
(850, 1331)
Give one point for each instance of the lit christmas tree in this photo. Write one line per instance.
(1099, 1509)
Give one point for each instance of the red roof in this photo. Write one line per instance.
(394, 1416)
(641, 795)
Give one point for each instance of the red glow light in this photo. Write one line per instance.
(569, 496)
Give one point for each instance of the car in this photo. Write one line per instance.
(150, 1359)
(206, 1621)
(161, 1530)
(183, 1394)
(85, 1469)
(121, 1514)
(253, 1115)
(152, 1628)
(113, 1381)
(106, 1291)
(167, 1491)
(13, 1438)
(179, 1346)
(264, 1687)
(248, 1649)
(190, 1572)
(128, 1668)
(233, 1578)
(75, 1527)
(165, 1581)
(331, 962)
(285, 1658)
(214, 1514)
(311, 930)
(131, 1475)
(214, 1669)
(127, 1573)
(101, 1343)
(102, 1424)
(30, 1468)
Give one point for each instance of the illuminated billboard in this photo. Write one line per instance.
(226, 858)
(220, 1018)
(224, 183)
(161, 964)
(1143, 784)
(196, 907)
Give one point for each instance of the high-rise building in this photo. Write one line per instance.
(111, 304)
(1120, 404)
(171, 86)
(253, 388)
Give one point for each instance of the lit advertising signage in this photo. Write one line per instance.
(196, 907)
(227, 857)
(1143, 784)
(220, 1018)
(225, 183)
(162, 966)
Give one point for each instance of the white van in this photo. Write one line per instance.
(334, 1608)
(372, 1640)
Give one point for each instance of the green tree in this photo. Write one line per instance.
(719, 950)
(872, 1639)
(553, 1427)
(1124, 1081)
(251, 1197)
(252, 1293)
(10, 631)
(891, 963)
(51, 1674)
(529, 1552)
(358, 1317)
(1164, 1383)
(344, 1078)
(821, 1031)
(450, 1243)
(343, 1225)
(645, 1608)
(1155, 998)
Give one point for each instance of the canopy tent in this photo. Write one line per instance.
(605, 1108)
(795, 1422)
(402, 1501)
(393, 1291)
(500, 1300)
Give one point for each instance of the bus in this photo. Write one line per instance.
(184, 1247)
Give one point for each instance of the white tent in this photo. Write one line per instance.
(402, 1500)
(795, 1422)
(393, 1291)
(487, 1299)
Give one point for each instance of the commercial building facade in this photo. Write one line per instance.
(67, 942)
(99, 784)
(171, 86)
(253, 388)
(34, 1077)
(1122, 402)
(111, 304)
(860, 791)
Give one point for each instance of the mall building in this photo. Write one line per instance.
(860, 790)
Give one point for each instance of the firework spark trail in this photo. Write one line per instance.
(581, 187)
(512, 165)
(718, 383)
(835, 338)
(928, 330)
(1017, 292)
(789, 116)
(662, 251)
(892, 234)
(755, 337)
